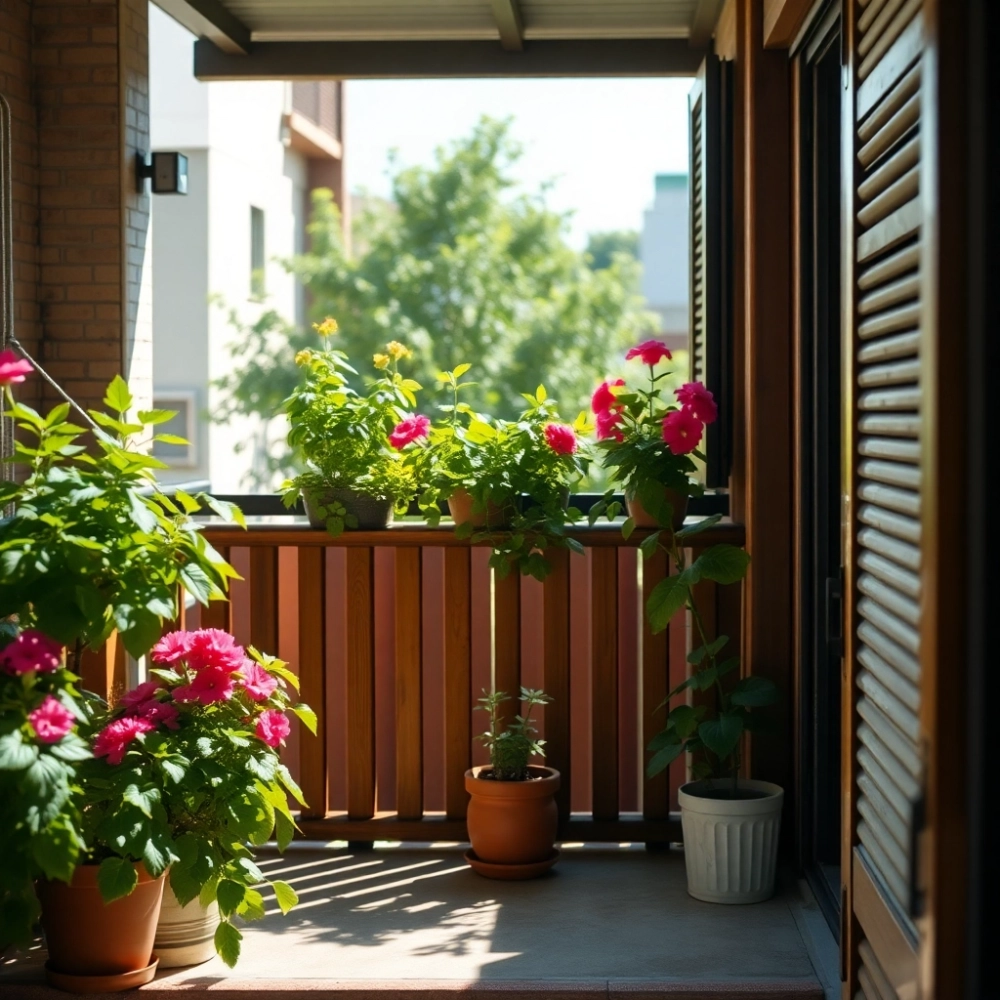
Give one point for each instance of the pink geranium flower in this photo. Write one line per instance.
(113, 740)
(408, 430)
(694, 397)
(211, 647)
(608, 425)
(172, 647)
(682, 431)
(210, 684)
(31, 650)
(561, 438)
(273, 727)
(256, 681)
(51, 720)
(604, 399)
(158, 712)
(651, 352)
(12, 368)
(143, 693)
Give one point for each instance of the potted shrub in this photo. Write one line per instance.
(648, 443)
(512, 817)
(40, 824)
(353, 476)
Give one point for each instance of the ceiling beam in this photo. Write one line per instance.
(441, 60)
(210, 20)
(703, 22)
(507, 14)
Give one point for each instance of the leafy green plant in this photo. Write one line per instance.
(341, 437)
(40, 822)
(186, 775)
(512, 746)
(93, 545)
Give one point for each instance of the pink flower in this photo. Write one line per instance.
(408, 430)
(651, 352)
(561, 438)
(51, 720)
(172, 647)
(143, 693)
(211, 647)
(694, 397)
(158, 711)
(609, 425)
(604, 399)
(273, 727)
(256, 681)
(210, 684)
(113, 740)
(31, 650)
(12, 368)
(682, 431)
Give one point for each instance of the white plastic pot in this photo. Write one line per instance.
(185, 935)
(731, 845)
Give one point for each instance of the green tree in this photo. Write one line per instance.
(603, 247)
(462, 266)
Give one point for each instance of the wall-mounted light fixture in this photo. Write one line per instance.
(167, 171)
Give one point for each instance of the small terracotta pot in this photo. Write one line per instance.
(513, 822)
(372, 514)
(87, 937)
(642, 517)
(460, 507)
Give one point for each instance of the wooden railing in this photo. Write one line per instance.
(394, 634)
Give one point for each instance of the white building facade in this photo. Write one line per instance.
(664, 249)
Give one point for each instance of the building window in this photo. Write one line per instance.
(183, 425)
(257, 269)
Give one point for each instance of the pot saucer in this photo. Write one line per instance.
(511, 872)
(75, 983)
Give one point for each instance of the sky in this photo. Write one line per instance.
(601, 141)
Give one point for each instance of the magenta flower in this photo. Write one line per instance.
(694, 397)
(31, 650)
(651, 351)
(273, 727)
(682, 431)
(143, 693)
(256, 681)
(12, 368)
(609, 425)
(604, 399)
(561, 438)
(113, 740)
(211, 647)
(158, 712)
(408, 430)
(210, 684)
(172, 647)
(51, 720)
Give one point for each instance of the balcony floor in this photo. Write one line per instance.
(405, 923)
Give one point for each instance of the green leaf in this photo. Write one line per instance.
(284, 830)
(663, 758)
(722, 563)
(15, 754)
(699, 654)
(143, 799)
(685, 719)
(627, 528)
(286, 896)
(227, 943)
(55, 850)
(461, 369)
(667, 598)
(230, 895)
(116, 878)
(755, 692)
(156, 416)
(722, 735)
(649, 545)
(307, 715)
(118, 397)
(698, 526)
(170, 439)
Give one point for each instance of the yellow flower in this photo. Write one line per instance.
(327, 328)
(381, 361)
(397, 350)
(303, 357)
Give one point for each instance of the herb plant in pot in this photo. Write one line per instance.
(512, 817)
(353, 477)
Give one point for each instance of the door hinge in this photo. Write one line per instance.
(835, 613)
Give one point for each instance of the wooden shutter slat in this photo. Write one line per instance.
(885, 831)
(889, 624)
(892, 862)
(891, 652)
(894, 781)
(893, 708)
(880, 983)
(890, 599)
(907, 259)
(894, 100)
(885, 496)
(890, 295)
(881, 863)
(890, 424)
(890, 573)
(890, 679)
(885, 138)
(894, 229)
(893, 748)
(870, 12)
(890, 399)
(894, 193)
(893, 473)
(895, 28)
(898, 346)
(898, 59)
(896, 826)
(900, 318)
(879, 447)
(891, 374)
(891, 548)
(871, 24)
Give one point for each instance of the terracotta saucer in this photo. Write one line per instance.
(511, 872)
(100, 984)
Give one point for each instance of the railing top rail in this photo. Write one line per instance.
(416, 534)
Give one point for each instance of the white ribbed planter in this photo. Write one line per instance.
(185, 935)
(731, 845)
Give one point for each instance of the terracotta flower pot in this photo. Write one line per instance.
(96, 946)
(513, 824)
(372, 514)
(185, 935)
(642, 517)
(460, 507)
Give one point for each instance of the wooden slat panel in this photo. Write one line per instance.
(360, 683)
(892, 31)
(899, 346)
(896, 746)
(218, 613)
(881, 988)
(898, 192)
(507, 640)
(655, 681)
(900, 318)
(557, 674)
(409, 685)
(888, 703)
(264, 599)
(891, 231)
(903, 425)
(899, 58)
(897, 97)
(902, 261)
(892, 780)
(886, 137)
(891, 448)
(604, 676)
(457, 679)
(312, 677)
(905, 555)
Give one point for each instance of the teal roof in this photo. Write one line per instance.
(665, 182)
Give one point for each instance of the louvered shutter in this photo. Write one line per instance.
(710, 179)
(885, 434)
